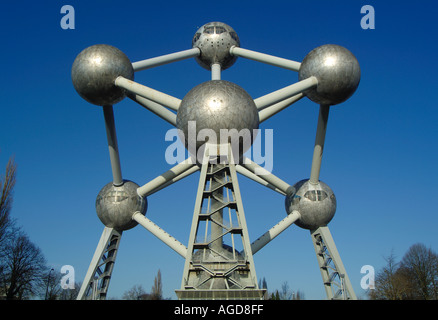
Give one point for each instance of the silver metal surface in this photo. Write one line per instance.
(168, 58)
(154, 107)
(321, 129)
(250, 175)
(219, 258)
(216, 105)
(274, 232)
(160, 234)
(95, 70)
(265, 58)
(149, 93)
(316, 204)
(285, 93)
(337, 71)
(97, 279)
(116, 205)
(164, 178)
(272, 110)
(267, 176)
(215, 39)
(113, 148)
(216, 71)
(337, 284)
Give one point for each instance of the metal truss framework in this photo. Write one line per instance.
(101, 266)
(213, 268)
(336, 282)
(211, 271)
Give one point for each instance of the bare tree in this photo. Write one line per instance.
(388, 284)
(51, 287)
(414, 278)
(285, 293)
(135, 293)
(299, 295)
(419, 265)
(7, 183)
(157, 288)
(71, 294)
(23, 268)
(21, 262)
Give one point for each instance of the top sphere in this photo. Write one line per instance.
(337, 71)
(95, 70)
(215, 39)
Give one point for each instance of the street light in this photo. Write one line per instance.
(48, 282)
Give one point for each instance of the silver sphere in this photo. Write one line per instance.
(95, 70)
(337, 71)
(215, 39)
(316, 204)
(222, 107)
(116, 205)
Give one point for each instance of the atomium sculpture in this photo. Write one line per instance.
(219, 256)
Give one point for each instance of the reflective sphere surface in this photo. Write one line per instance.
(217, 109)
(95, 70)
(215, 39)
(315, 202)
(116, 205)
(337, 71)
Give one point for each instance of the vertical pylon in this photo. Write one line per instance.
(336, 282)
(219, 262)
(96, 282)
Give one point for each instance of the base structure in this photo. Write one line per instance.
(337, 285)
(96, 282)
(219, 262)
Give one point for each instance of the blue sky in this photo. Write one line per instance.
(379, 157)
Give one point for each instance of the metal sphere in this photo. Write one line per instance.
(316, 204)
(224, 108)
(116, 205)
(215, 39)
(337, 71)
(95, 70)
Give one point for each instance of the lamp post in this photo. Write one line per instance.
(48, 282)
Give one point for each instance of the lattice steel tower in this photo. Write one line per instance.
(219, 260)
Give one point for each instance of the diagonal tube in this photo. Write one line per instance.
(159, 181)
(177, 178)
(160, 234)
(245, 172)
(265, 58)
(97, 257)
(165, 59)
(285, 93)
(156, 108)
(274, 231)
(268, 112)
(149, 93)
(266, 175)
